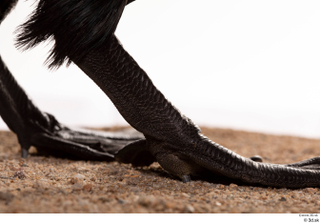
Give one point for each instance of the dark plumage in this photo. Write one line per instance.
(5, 7)
(76, 26)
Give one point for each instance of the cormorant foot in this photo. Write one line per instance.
(36, 128)
(84, 144)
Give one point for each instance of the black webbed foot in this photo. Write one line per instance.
(42, 130)
(198, 159)
(83, 144)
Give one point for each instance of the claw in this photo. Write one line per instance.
(24, 153)
(256, 158)
(186, 178)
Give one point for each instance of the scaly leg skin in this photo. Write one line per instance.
(170, 138)
(175, 142)
(42, 130)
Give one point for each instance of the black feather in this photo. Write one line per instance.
(5, 7)
(76, 26)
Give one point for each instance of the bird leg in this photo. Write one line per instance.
(170, 138)
(36, 128)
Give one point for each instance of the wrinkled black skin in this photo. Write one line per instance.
(84, 35)
(36, 128)
(42, 130)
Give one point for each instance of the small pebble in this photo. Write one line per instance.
(79, 176)
(5, 196)
(310, 190)
(233, 185)
(283, 199)
(20, 174)
(185, 195)
(41, 184)
(146, 200)
(88, 187)
(77, 186)
(121, 201)
(188, 209)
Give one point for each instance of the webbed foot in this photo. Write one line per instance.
(145, 152)
(42, 130)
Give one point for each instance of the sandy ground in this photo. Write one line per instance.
(48, 184)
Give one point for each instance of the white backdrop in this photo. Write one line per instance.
(251, 65)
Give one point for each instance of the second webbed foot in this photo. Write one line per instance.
(41, 130)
